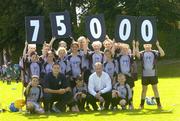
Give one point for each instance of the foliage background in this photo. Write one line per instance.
(12, 14)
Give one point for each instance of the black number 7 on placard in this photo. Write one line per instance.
(34, 29)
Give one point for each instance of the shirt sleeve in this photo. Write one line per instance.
(91, 86)
(107, 82)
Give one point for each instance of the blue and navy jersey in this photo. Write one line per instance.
(34, 94)
(35, 69)
(124, 90)
(149, 60)
(111, 67)
(94, 58)
(85, 60)
(32, 68)
(75, 63)
(64, 65)
(83, 89)
(47, 68)
(124, 63)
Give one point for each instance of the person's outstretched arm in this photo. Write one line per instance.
(52, 41)
(137, 50)
(161, 51)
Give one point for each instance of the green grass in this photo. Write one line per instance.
(169, 77)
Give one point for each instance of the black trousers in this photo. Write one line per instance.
(81, 102)
(115, 101)
(107, 97)
(61, 99)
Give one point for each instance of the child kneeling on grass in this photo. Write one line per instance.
(33, 95)
(121, 93)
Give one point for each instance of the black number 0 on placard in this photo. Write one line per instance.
(125, 28)
(95, 27)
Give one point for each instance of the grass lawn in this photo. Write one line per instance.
(169, 88)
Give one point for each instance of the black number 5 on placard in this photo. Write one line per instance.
(60, 24)
(34, 29)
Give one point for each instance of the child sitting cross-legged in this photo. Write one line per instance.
(33, 95)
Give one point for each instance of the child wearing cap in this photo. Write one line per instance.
(33, 95)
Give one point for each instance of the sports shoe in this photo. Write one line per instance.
(101, 107)
(55, 109)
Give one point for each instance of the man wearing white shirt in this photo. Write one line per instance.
(99, 87)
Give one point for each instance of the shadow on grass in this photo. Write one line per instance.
(46, 115)
(101, 113)
(135, 112)
(149, 112)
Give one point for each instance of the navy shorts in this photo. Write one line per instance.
(149, 80)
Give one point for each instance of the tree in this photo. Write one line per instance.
(12, 30)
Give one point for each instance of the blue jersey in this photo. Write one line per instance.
(82, 89)
(75, 63)
(29, 69)
(94, 58)
(47, 68)
(64, 65)
(32, 68)
(124, 62)
(124, 90)
(111, 67)
(85, 60)
(149, 62)
(35, 69)
(34, 94)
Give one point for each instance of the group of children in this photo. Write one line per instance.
(77, 64)
(9, 72)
